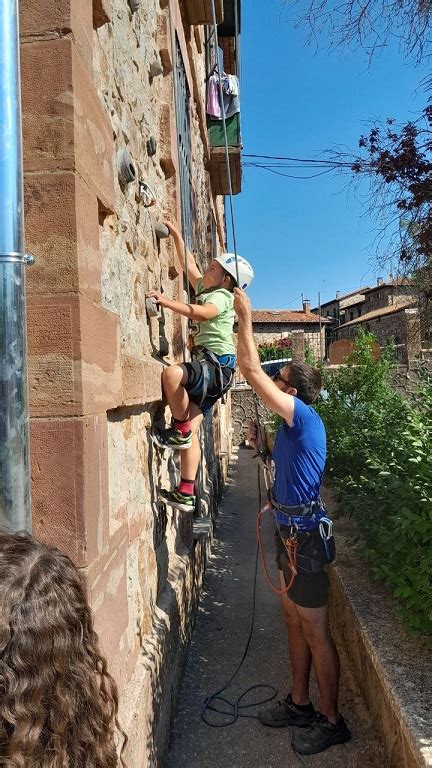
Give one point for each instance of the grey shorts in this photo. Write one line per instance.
(309, 590)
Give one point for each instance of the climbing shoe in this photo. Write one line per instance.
(172, 438)
(287, 713)
(320, 735)
(178, 499)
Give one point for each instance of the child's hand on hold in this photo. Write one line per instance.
(242, 306)
(157, 297)
(172, 227)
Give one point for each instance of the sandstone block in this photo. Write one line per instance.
(102, 11)
(69, 480)
(64, 124)
(48, 110)
(74, 364)
(60, 18)
(141, 380)
(62, 232)
(167, 142)
(107, 581)
(93, 137)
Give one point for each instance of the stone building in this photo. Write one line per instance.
(389, 310)
(114, 94)
(301, 326)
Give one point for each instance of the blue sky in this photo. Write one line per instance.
(310, 235)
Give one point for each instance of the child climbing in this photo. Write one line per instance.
(58, 704)
(192, 388)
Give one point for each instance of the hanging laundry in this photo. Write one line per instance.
(231, 100)
(233, 85)
(213, 107)
(231, 95)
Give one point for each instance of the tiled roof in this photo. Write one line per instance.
(392, 309)
(285, 316)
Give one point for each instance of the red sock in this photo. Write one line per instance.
(187, 486)
(182, 426)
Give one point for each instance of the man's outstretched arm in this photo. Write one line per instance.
(250, 366)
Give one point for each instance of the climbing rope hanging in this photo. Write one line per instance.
(174, 58)
(227, 158)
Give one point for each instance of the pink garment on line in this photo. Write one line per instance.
(213, 101)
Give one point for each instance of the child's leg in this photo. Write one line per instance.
(173, 380)
(184, 496)
(190, 459)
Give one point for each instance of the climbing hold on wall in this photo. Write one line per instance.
(147, 195)
(202, 528)
(161, 230)
(134, 5)
(152, 308)
(156, 67)
(151, 146)
(125, 167)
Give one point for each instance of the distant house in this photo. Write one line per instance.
(301, 326)
(337, 311)
(389, 310)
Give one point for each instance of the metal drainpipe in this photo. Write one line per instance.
(15, 508)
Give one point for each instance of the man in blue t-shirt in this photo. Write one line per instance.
(299, 456)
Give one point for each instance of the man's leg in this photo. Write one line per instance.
(329, 727)
(296, 709)
(316, 632)
(299, 650)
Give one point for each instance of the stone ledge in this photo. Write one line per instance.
(393, 671)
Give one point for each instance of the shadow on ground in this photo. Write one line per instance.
(217, 646)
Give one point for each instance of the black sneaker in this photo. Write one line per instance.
(172, 438)
(287, 713)
(182, 501)
(321, 735)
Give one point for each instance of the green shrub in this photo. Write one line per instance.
(275, 350)
(380, 464)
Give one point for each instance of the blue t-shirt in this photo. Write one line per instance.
(299, 456)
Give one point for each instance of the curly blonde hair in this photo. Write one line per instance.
(58, 704)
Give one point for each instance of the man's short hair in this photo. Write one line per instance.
(306, 379)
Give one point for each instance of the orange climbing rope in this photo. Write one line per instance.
(291, 545)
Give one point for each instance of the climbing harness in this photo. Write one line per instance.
(205, 358)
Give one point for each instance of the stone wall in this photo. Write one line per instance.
(301, 338)
(244, 405)
(403, 327)
(94, 356)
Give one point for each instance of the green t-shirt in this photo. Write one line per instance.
(217, 334)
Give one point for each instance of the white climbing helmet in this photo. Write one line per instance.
(245, 271)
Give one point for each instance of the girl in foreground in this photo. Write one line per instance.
(58, 704)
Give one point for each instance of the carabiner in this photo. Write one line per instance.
(326, 535)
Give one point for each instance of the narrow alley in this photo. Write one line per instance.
(217, 647)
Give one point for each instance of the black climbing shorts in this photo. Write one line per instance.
(309, 590)
(195, 382)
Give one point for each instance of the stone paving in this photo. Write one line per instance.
(217, 646)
